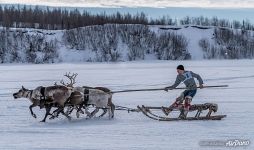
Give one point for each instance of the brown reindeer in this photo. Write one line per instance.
(76, 99)
(46, 97)
(100, 97)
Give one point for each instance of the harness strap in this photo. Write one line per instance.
(30, 93)
(43, 93)
(86, 96)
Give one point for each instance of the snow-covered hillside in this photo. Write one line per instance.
(192, 34)
(112, 42)
(128, 131)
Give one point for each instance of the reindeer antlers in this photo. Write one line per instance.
(72, 79)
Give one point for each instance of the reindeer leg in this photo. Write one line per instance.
(56, 113)
(94, 112)
(105, 110)
(48, 108)
(62, 111)
(69, 110)
(87, 112)
(112, 110)
(31, 110)
(79, 110)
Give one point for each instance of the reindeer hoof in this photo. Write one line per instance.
(89, 115)
(34, 115)
(52, 117)
(43, 121)
(77, 114)
(82, 112)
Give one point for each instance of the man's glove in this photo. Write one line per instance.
(168, 88)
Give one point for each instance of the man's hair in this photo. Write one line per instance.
(181, 67)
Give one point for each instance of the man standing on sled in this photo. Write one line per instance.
(184, 100)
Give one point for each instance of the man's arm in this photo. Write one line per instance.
(177, 82)
(198, 78)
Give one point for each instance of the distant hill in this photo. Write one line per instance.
(124, 42)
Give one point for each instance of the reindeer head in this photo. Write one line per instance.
(23, 92)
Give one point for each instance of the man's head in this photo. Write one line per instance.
(180, 69)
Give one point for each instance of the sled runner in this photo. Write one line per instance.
(148, 111)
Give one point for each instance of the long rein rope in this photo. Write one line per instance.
(160, 89)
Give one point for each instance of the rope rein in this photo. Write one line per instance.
(159, 89)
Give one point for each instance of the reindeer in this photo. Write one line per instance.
(76, 98)
(110, 103)
(66, 95)
(100, 97)
(46, 97)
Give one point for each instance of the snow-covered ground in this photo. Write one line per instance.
(19, 130)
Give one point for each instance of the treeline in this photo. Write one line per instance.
(57, 18)
(114, 42)
(204, 21)
(228, 44)
(24, 46)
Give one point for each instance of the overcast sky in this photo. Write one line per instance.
(136, 3)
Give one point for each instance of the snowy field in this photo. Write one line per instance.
(19, 130)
